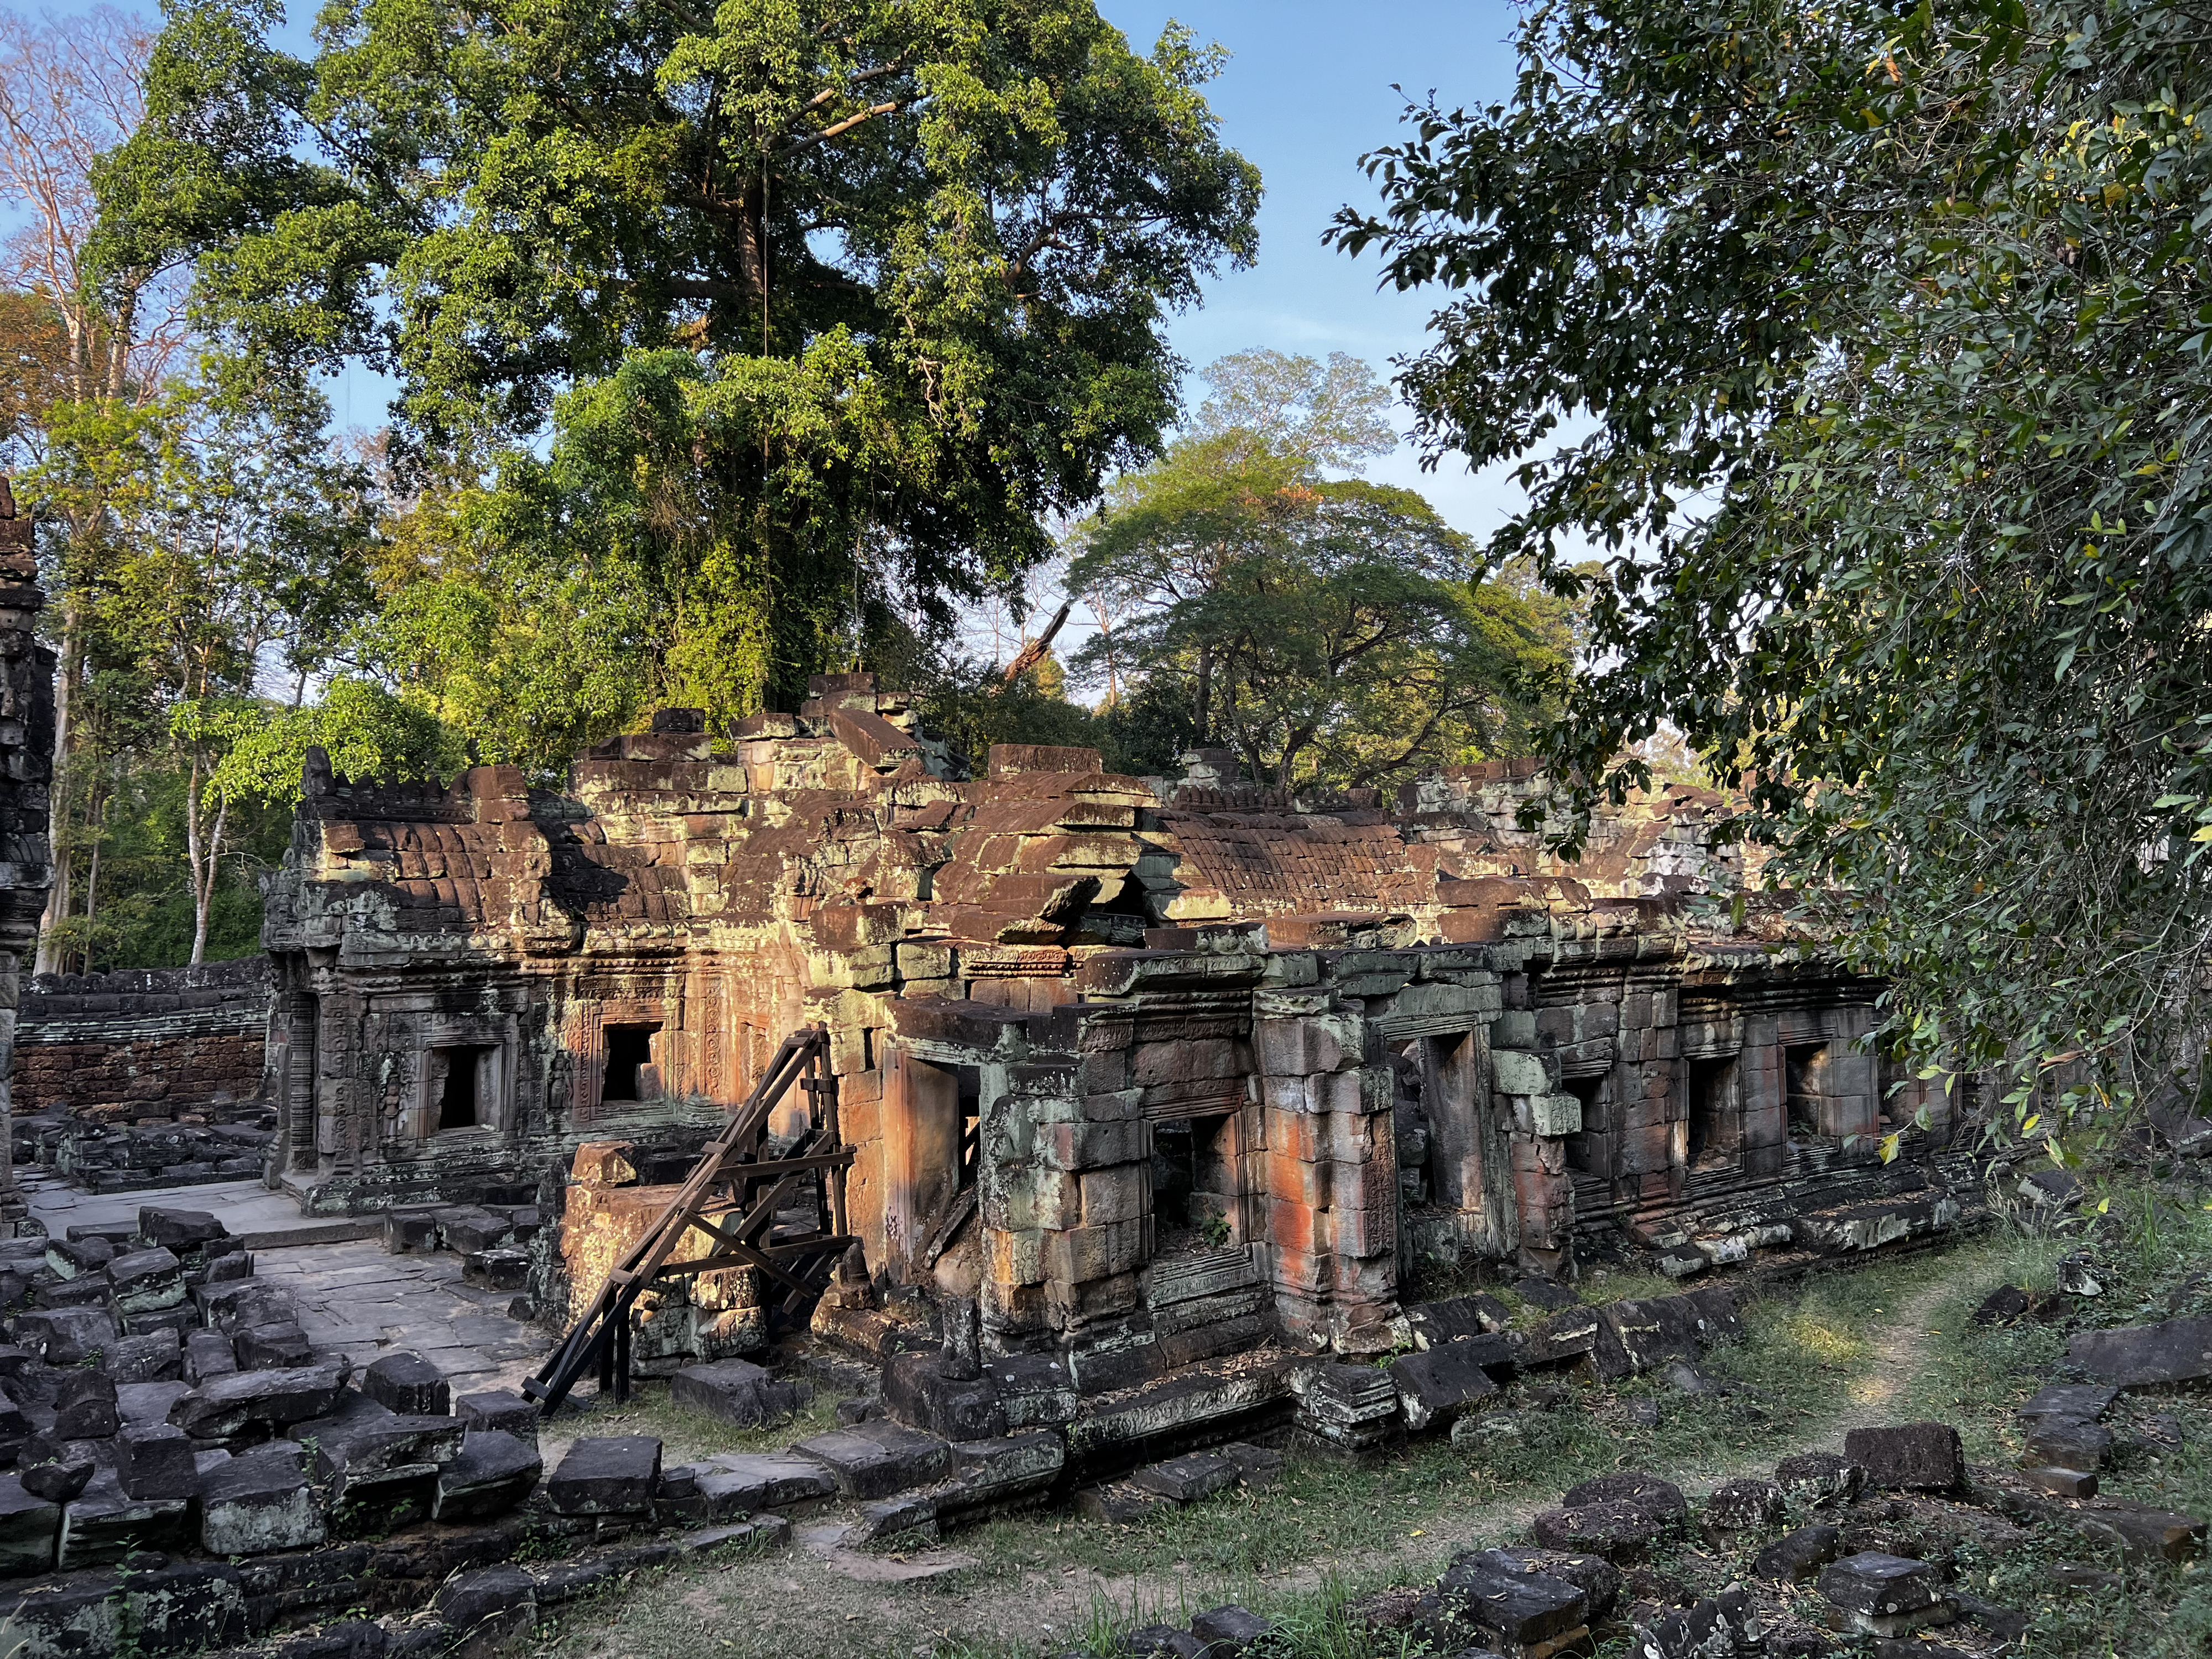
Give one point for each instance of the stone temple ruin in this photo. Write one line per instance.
(1139, 1115)
(1132, 1063)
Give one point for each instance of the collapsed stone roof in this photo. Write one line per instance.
(845, 818)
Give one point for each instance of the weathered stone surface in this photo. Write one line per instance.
(56, 1474)
(1117, 1503)
(487, 1605)
(1910, 1456)
(1798, 1555)
(66, 1336)
(1663, 1500)
(1744, 1506)
(154, 1460)
(84, 1407)
(1163, 1639)
(1256, 1466)
(409, 1384)
(1715, 1627)
(1188, 1479)
(155, 1357)
(607, 1474)
(207, 1355)
(226, 1405)
(272, 1347)
(1820, 1478)
(361, 1442)
(1434, 1387)
(1500, 1597)
(1620, 1532)
(2067, 1442)
(875, 1460)
(491, 1473)
(148, 1403)
(737, 1391)
(499, 1408)
(2173, 1352)
(257, 1502)
(1435, 1323)
(2063, 1483)
(178, 1229)
(1884, 1595)
(30, 1526)
(2086, 1400)
(1228, 1630)
(104, 1524)
(2140, 1532)
(736, 1483)
(147, 1281)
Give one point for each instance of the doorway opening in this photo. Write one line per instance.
(1587, 1150)
(629, 1053)
(1194, 1184)
(1713, 1140)
(459, 1094)
(1804, 1066)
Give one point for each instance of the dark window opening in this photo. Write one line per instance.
(972, 1123)
(457, 1099)
(1712, 1086)
(1194, 1184)
(1586, 1151)
(1802, 1065)
(630, 1051)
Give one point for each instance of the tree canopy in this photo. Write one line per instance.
(1870, 345)
(824, 303)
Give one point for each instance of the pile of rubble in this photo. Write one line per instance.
(1831, 1552)
(113, 1158)
(492, 1240)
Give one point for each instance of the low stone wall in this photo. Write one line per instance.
(142, 1042)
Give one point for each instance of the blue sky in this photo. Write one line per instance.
(1307, 91)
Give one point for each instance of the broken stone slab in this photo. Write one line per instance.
(258, 1502)
(1117, 1503)
(410, 1385)
(1167, 1640)
(1033, 1390)
(2067, 1442)
(148, 1403)
(30, 1526)
(1188, 1479)
(103, 1523)
(84, 1407)
(2172, 1353)
(1437, 1385)
(58, 1473)
(272, 1347)
(1228, 1630)
(146, 1281)
(66, 1336)
(874, 1459)
(486, 1606)
(2140, 1532)
(2062, 1483)
(154, 1460)
(72, 1258)
(1354, 1408)
(503, 1409)
(1715, 1627)
(1435, 1323)
(359, 1442)
(1620, 1532)
(155, 1357)
(1257, 1468)
(737, 1391)
(1737, 1507)
(917, 1392)
(736, 1483)
(1880, 1594)
(1796, 1556)
(496, 1270)
(1010, 1465)
(606, 1474)
(1820, 1479)
(1910, 1456)
(2009, 1305)
(178, 1230)
(1593, 1575)
(465, 1230)
(491, 1473)
(206, 1354)
(1661, 1500)
(2085, 1401)
(222, 1407)
(241, 1302)
(1501, 1599)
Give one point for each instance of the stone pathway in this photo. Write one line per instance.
(261, 1217)
(355, 1300)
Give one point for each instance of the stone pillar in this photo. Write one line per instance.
(27, 746)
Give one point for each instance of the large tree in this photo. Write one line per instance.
(1879, 338)
(827, 299)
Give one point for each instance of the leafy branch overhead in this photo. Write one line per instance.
(1869, 345)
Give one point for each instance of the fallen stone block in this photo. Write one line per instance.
(1256, 1466)
(206, 1354)
(1737, 1507)
(2068, 1442)
(1435, 1386)
(146, 1281)
(2172, 1353)
(104, 1523)
(501, 1409)
(178, 1230)
(224, 1406)
(412, 1386)
(491, 1473)
(257, 1502)
(1799, 1555)
(1661, 1500)
(736, 1483)
(485, 1607)
(1117, 1503)
(406, 1234)
(58, 1473)
(606, 1474)
(736, 1391)
(1501, 1600)
(272, 1347)
(30, 1526)
(496, 1270)
(148, 1403)
(72, 1258)
(155, 1357)
(1880, 1594)
(84, 1407)
(1163, 1639)
(1435, 1323)
(66, 1336)
(1717, 1627)
(1622, 1532)
(2140, 1533)
(1821, 1478)
(1188, 1479)
(2087, 1402)
(1351, 1408)
(1228, 1630)
(465, 1230)
(2062, 1483)
(991, 1471)
(874, 1459)
(155, 1461)
(2009, 1305)
(1910, 1456)
(360, 1443)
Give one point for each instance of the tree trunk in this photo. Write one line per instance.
(200, 886)
(1204, 711)
(48, 958)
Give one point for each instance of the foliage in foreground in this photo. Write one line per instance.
(1889, 329)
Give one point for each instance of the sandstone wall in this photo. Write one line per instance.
(142, 1042)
